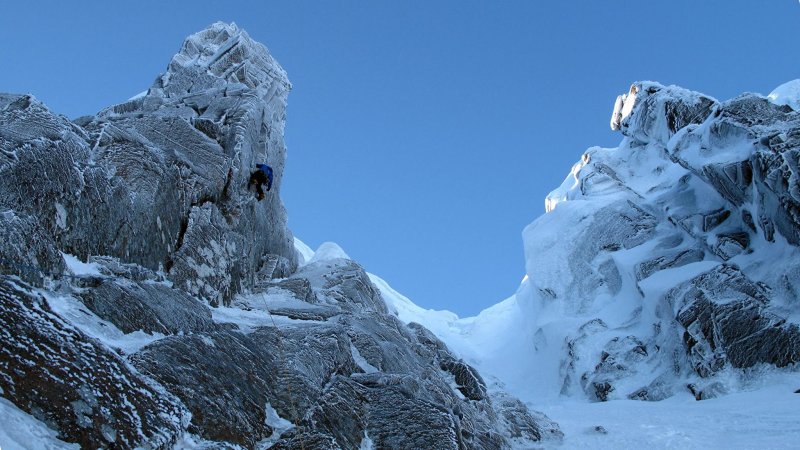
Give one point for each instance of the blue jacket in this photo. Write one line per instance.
(268, 172)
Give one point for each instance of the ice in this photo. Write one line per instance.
(362, 363)
(366, 443)
(278, 424)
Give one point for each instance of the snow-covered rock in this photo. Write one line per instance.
(160, 180)
(148, 300)
(664, 262)
(631, 277)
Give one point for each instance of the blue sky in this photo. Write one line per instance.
(422, 135)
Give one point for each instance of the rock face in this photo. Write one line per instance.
(186, 316)
(674, 256)
(74, 384)
(161, 180)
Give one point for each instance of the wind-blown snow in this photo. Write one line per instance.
(762, 418)
(787, 94)
(765, 413)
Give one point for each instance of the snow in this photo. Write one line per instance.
(304, 251)
(75, 313)
(278, 424)
(787, 94)
(524, 337)
(256, 311)
(328, 251)
(363, 364)
(20, 431)
(139, 95)
(78, 267)
(568, 187)
(767, 417)
(762, 412)
(366, 443)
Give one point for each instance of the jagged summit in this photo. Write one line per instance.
(226, 52)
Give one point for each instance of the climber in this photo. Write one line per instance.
(261, 176)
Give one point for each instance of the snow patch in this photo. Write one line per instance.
(328, 251)
(78, 267)
(366, 442)
(61, 216)
(82, 318)
(139, 95)
(362, 363)
(278, 424)
(569, 188)
(21, 431)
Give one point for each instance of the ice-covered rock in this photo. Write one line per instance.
(148, 300)
(671, 256)
(161, 180)
(667, 261)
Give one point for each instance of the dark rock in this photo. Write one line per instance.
(681, 258)
(729, 245)
(74, 384)
(299, 288)
(520, 422)
(26, 250)
(602, 389)
(222, 377)
(727, 320)
(147, 306)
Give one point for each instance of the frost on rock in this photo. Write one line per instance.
(670, 258)
(73, 384)
(180, 312)
(161, 180)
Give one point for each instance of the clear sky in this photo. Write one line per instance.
(422, 135)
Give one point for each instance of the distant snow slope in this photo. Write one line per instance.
(787, 94)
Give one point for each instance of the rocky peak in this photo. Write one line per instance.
(226, 52)
(184, 316)
(682, 241)
(651, 111)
